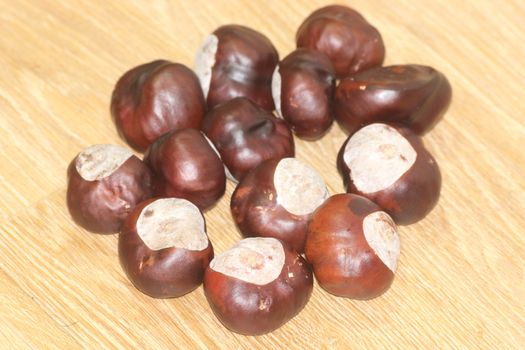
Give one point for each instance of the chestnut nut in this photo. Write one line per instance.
(276, 199)
(257, 285)
(105, 182)
(236, 61)
(245, 135)
(185, 165)
(303, 86)
(389, 165)
(163, 247)
(351, 43)
(154, 98)
(413, 95)
(353, 247)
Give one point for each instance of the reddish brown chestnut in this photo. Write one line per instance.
(277, 199)
(303, 86)
(353, 247)
(245, 135)
(105, 182)
(154, 98)
(351, 43)
(163, 247)
(257, 285)
(413, 95)
(236, 61)
(390, 166)
(185, 166)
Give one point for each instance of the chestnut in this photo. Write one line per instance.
(303, 86)
(154, 98)
(236, 61)
(344, 35)
(163, 247)
(353, 247)
(277, 199)
(389, 165)
(257, 285)
(105, 183)
(413, 95)
(184, 165)
(246, 134)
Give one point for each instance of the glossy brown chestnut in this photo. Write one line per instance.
(389, 165)
(257, 285)
(245, 135)
(303, 86)
(276, 199)
(351, 43)
(236, 61)
(154, 98)
(413, 95)
(105, 182)
(163, 247)
(353, 247)
(185, 165)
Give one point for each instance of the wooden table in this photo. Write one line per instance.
(461, 279)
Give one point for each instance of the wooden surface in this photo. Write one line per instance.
(461, 279)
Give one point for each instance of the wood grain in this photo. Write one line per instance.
(461, 279)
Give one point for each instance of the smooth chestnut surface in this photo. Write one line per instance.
(303, 87)
(236, 61)
(276, 199)
(351, 43)
(257, 285)
(154, 98)
(163, 247)
(413, 95)
(105, 182)
(353, 247)
(245, 135)
(389, 165)
(185, 165)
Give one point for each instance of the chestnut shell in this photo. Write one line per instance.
(166, 273)
(154, 98)
(343, 262)
(236, 303)
(351, 43)
(244, 64)
(101, 206)
(307, 90)
(414, 194)
(418, 97)
(246, 135)
(185, 166)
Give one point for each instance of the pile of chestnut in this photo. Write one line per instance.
(234, 117)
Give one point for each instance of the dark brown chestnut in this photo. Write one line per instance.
(351, 43)
(276, 199)
(389, 165)
(163, 247)
(185, 165)
(413, 95)
(154, 98)
(236, 61)
(245, 135)
(257, 285)
(303, 86)
(353, 247)
(105, 182)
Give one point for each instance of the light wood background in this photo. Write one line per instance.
(461, 279)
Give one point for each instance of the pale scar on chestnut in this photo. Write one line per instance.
(377, 156)
(172, 222)
(99, 161)
(255, 260)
